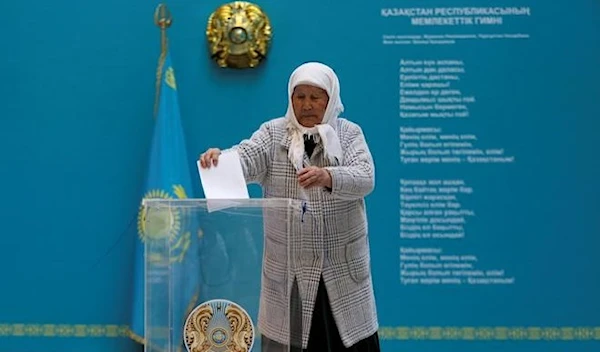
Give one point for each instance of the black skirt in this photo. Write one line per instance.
(324, 334)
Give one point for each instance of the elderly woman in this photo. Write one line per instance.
(313, 155)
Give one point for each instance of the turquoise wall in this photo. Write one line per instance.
(77, 92)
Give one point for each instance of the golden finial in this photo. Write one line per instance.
(162, 17)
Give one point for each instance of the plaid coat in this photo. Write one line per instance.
(328, 238)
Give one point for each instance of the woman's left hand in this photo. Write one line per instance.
(314, 176)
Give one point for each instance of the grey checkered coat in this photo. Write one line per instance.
(329, 239)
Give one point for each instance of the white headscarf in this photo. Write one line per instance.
(322, 76)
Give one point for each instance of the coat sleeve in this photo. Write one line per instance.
(255, 155)
(356, 177)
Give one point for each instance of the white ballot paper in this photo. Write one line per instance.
(224, 182)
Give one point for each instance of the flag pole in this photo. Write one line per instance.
(162, 19)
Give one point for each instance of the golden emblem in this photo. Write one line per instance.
(218, 325)
(164, 223)
(157, 223)
(239, 34)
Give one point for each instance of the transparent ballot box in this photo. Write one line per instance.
(219, 275)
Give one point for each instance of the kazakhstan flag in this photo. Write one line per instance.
(170, 293)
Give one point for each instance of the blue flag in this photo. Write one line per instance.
(168, 177)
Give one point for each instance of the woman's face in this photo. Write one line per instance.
(309, 104)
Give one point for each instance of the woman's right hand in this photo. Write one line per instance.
(209, 158)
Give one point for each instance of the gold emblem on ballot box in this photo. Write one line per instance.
(218, 326)
(239, 35)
